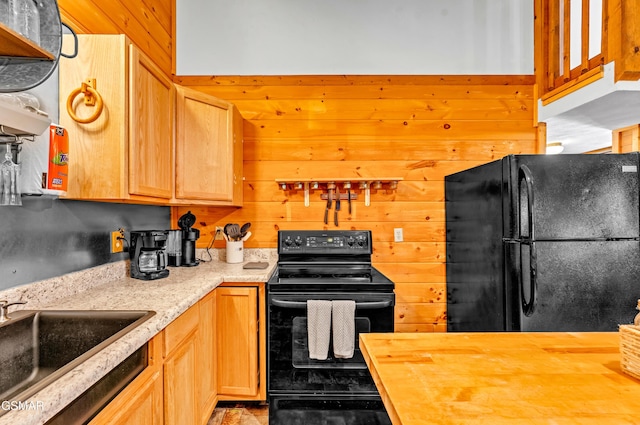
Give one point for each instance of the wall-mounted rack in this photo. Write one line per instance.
(14, 141)
(343, 184)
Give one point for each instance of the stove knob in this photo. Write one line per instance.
(361, 242)
(288, 242)
(350, 241)
(298, 241)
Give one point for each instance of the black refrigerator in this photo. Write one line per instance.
(543, 243)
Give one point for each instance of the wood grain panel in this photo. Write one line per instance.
(434, 272)
(314, 131)
(626, 139)
(420, 128)
(85, 18)
(276, 212)
(433, 313)
(417, 252)
(420, 292)
(146, 22)
(422, 152)
(368, 109)
(362, 91)
(425, 232)
(359, 80)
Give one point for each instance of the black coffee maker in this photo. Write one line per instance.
(148, 254)
(189, 238)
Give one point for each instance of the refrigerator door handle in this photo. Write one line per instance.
(529, 306)
(524, 173)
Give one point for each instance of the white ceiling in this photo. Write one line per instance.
(583, 121)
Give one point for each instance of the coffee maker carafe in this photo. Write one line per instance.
(189, 238)
(148, 254)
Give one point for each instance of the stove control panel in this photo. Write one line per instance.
(325, 242)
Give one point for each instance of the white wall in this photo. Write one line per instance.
(310, 37)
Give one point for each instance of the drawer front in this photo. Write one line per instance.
(180, 329)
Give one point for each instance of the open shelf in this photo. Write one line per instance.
(15, 46)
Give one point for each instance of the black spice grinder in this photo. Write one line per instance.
(189, 238)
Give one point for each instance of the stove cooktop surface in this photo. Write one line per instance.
(326, 259)
(328, 276)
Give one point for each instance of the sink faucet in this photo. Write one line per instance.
(4, 309)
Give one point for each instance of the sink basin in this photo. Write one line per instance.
(37, 347)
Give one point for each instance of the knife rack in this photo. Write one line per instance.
(363, 184)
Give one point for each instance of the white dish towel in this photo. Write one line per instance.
(318, 328)
(344, 328)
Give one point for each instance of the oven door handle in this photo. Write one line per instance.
(372, 305)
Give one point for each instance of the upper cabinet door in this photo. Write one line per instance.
(151, 118)
(208, 153)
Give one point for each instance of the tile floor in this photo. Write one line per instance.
(240, 414)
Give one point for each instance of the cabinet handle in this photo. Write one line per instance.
(91, 98)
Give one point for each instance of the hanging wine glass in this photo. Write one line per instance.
(9, 174)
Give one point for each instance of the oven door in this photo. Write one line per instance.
(291, 371)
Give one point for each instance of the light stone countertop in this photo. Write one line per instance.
(109, 287)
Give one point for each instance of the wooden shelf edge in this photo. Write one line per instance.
(15, 45)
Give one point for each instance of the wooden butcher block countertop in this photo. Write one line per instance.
(502, 378)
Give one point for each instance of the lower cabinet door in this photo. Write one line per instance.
(140, 403)
(206, 367)
(181, 403)
(237, 340)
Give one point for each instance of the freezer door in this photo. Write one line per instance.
(571, 197)
(576, 286)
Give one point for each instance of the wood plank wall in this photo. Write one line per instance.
(626, 139)
(420, 128)
(149, 23)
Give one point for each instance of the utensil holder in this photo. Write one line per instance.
(235, 252)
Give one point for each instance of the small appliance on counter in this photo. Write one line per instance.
(174, 247)
(189, 238)
(148, 254)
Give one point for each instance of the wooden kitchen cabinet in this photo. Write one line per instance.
(126, 154)
(207, 385)
(190, 379)
(180, 369)
(139, 150)
(141, 401)
(179, 386)
(241, 349)
(208, 149)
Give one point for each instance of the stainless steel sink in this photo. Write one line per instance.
(38, 347)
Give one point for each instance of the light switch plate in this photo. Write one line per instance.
(398, 235)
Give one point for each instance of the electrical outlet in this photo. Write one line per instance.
(397, 234)
(117, 241)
